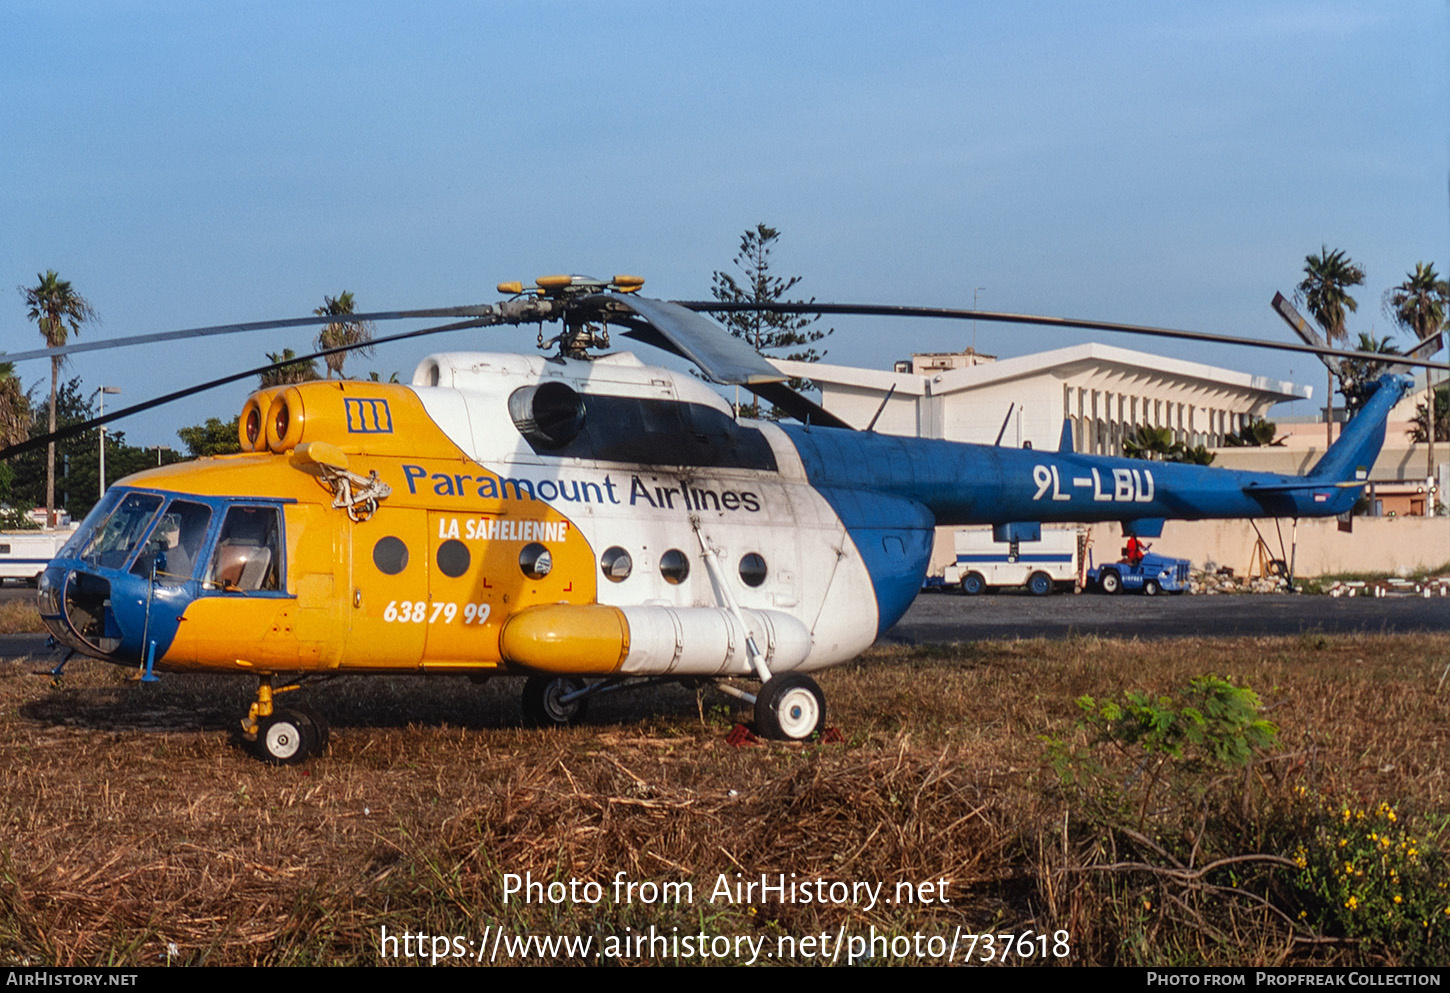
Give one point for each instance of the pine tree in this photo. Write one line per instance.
(768, 333)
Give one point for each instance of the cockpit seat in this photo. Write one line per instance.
(241, 565)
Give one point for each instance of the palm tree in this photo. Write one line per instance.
(1148, 442)
(1257, 433)
(1158, 444)
(59, 311)
(1324, 290)
(14, 407)
(1419, 431)
(342, 333)
(298, 371)
(1418, 305)
(1358, 375)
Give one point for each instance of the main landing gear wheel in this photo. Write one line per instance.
(288, 737)
(1111, 582)
(1039, 584)
(973, 584)
(790, 708)
(543, 704)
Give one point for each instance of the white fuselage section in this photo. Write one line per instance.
(658, 512)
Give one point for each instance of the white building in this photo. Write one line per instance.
(1105, 391)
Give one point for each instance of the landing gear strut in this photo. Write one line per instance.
(283, 735)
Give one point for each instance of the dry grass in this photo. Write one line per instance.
(136, 830)
(20, 617)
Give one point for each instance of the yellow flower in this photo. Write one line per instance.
(1353, 902)
(1397, 898)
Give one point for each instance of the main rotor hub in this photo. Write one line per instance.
(579, 334)
(573, 287)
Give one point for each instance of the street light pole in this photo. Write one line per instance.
(101, 392)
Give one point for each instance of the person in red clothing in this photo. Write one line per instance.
(1135, 550)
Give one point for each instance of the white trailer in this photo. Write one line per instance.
(1041, 566)
(25, 554)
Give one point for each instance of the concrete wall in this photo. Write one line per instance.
(1393, 545)
(1389, 545)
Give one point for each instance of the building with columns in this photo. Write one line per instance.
(1104, 392)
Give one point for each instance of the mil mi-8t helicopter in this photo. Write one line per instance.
(585, 520)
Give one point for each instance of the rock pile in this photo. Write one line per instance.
(1438, 586)
(1223, 580)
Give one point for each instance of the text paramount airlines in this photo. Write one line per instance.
(642, 493)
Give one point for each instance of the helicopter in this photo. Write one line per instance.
(585, 520)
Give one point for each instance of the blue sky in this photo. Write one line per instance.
(186, 164)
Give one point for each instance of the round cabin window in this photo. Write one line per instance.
(752, 569)
(453, 558)
(390, 555)
(674, 566)
(535, 560)
(616, 564)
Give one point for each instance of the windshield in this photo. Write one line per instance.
(171, 552)
(112, 543)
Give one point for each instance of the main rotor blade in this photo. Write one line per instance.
(22, 447)
(721, 356)
(475, 310)
(802, 408)
(883, 310)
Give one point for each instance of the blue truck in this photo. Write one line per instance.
(1152, 575)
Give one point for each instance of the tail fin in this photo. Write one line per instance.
(1360, 442)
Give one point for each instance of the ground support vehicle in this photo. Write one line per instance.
(25, 554)
(1153, 575)
(983, 563)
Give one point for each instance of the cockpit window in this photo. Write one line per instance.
(175, 543)
(113, 541)
(248, 556)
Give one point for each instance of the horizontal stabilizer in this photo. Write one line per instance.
(1305, 485)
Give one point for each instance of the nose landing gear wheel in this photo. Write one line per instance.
(543, 705)
(286, 737)
(790, 708)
